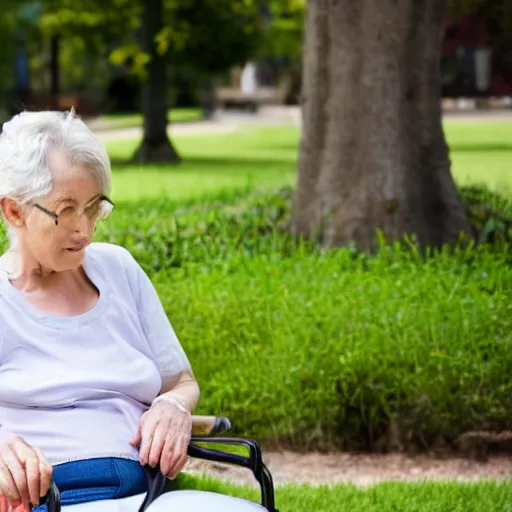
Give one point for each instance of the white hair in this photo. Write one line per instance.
(26, 141)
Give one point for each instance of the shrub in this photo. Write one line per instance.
(336, 351)
(200, 236)
(318, 349)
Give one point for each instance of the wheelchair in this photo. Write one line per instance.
(206, 430)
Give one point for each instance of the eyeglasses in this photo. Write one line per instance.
(99, 210)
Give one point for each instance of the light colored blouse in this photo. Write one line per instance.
(75, 387)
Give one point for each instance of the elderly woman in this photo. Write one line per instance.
(94, 383)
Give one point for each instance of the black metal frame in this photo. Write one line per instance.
(254, 462)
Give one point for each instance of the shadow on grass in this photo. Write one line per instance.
(209, 164)
(461, 147)
(255, 163)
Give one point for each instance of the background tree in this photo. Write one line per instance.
(155, 145)
(373, 153)
(100, 27)
(152, 36)
(281, 41)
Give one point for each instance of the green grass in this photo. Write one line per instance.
(318, 348)
(367, 344)
(386, 497)
(212, 164)
(176, 115)
(363, 341)
(481, 152)
(322, 349)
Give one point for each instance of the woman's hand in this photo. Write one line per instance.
(163, 437)
(25, 474)
(5, 507)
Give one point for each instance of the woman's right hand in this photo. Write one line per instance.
(25, 474)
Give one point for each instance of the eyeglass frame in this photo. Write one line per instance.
(55, 215)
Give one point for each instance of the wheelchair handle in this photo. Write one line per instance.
(52, 499)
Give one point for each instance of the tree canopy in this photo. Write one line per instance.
(208, 35)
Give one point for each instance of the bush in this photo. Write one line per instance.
(198, 237)
(331, 350)
(490, 215)
(337, 349)
(334, 349)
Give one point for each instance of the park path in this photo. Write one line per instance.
(284, 116)
(227, 123)
(361, 469)
(192, 128)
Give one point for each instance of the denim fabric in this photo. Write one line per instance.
(98, 479)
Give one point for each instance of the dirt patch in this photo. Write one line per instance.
(362, 469)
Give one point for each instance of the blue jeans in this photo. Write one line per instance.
(98, 479)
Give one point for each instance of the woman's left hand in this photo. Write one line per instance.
(163, 437)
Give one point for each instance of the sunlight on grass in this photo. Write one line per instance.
(211, 164)
(481, 152)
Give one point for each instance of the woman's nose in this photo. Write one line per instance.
(84, 225)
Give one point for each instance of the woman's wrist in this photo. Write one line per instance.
(177, 402)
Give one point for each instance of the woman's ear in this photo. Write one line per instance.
(11, 211)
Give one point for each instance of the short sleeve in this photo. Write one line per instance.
(168, 352)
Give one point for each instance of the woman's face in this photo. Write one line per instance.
(75, 198)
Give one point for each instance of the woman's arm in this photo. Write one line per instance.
(183, 389)
(165, 429)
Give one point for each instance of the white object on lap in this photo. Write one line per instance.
(173, 501)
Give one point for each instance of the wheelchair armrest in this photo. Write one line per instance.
(209, 425)
(254, 462)
(204, 428)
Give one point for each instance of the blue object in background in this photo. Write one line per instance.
(22, 73)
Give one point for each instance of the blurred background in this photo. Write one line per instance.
(219, 55)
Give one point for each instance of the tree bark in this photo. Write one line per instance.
(373, 155)
(156, 146)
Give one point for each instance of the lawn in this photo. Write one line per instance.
(387, 497)
(262, 158)
(394, 328)
(295, 343)
(481, 152)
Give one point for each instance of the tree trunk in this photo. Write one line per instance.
(155, 146)
(373, 155)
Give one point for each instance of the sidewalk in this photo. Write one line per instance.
(232, 122)
(192, 128)
(226, 123)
